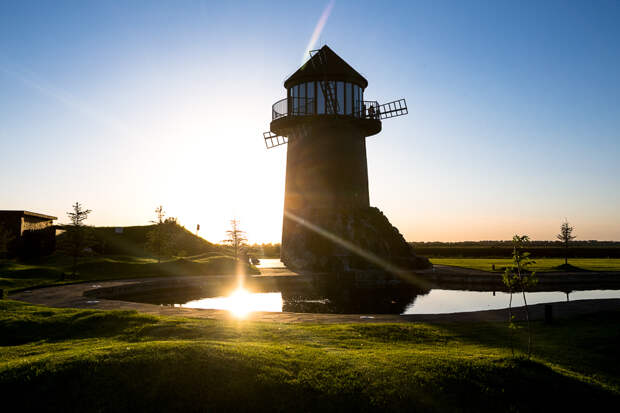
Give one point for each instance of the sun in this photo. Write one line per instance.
(242, 302)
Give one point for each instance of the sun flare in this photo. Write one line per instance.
(241, 302)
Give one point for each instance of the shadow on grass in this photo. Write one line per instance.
(196, 377)
(46, 273)
(22, 323)
(588, 344)
(569, 268)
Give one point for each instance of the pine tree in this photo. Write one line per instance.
(159, 239)
(566, 236)
(236, 238)
(78, 236)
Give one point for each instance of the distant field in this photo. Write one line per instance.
(542, 264)
(504, 250)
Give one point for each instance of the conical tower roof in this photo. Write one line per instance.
(331, 67)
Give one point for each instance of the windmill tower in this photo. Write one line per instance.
(325, 119)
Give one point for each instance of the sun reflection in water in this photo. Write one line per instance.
(241, 302)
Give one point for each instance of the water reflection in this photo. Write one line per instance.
(454, 301)
(323, 295)
(383, 301)
(343, 298)
(270, 263)
(240, 302)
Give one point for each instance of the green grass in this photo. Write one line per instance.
(541, 265)
(16, 275)
(70, 359)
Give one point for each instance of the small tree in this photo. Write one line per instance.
(77, 235)
(566, 236)
(518, 277)
(236, 237)
(159, 239)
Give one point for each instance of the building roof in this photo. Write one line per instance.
(27, 213)
(332, 67)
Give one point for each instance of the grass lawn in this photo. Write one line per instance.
(541, 265)
(16, 275)
(87, 360)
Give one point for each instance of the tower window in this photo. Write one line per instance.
(320, 99)
(302, 99)
(310, 93)
(340, 97)
(356, 100)
(348, 99)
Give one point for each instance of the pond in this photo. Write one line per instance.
(454, 301)
(270, 263)
(328, 294)
(241, 302)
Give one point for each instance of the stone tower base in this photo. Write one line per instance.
(365, 232)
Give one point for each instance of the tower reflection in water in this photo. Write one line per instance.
(350, 298)
(319, 297)
(336, 297)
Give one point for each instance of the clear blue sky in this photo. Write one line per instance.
(514, 117)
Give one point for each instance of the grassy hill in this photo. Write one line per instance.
(132, 241)
(118, 254)
(84, 360)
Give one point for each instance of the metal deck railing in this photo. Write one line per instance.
(298, 106)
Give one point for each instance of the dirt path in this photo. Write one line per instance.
(72, 296)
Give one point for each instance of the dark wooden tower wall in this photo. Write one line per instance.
(326, 167)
